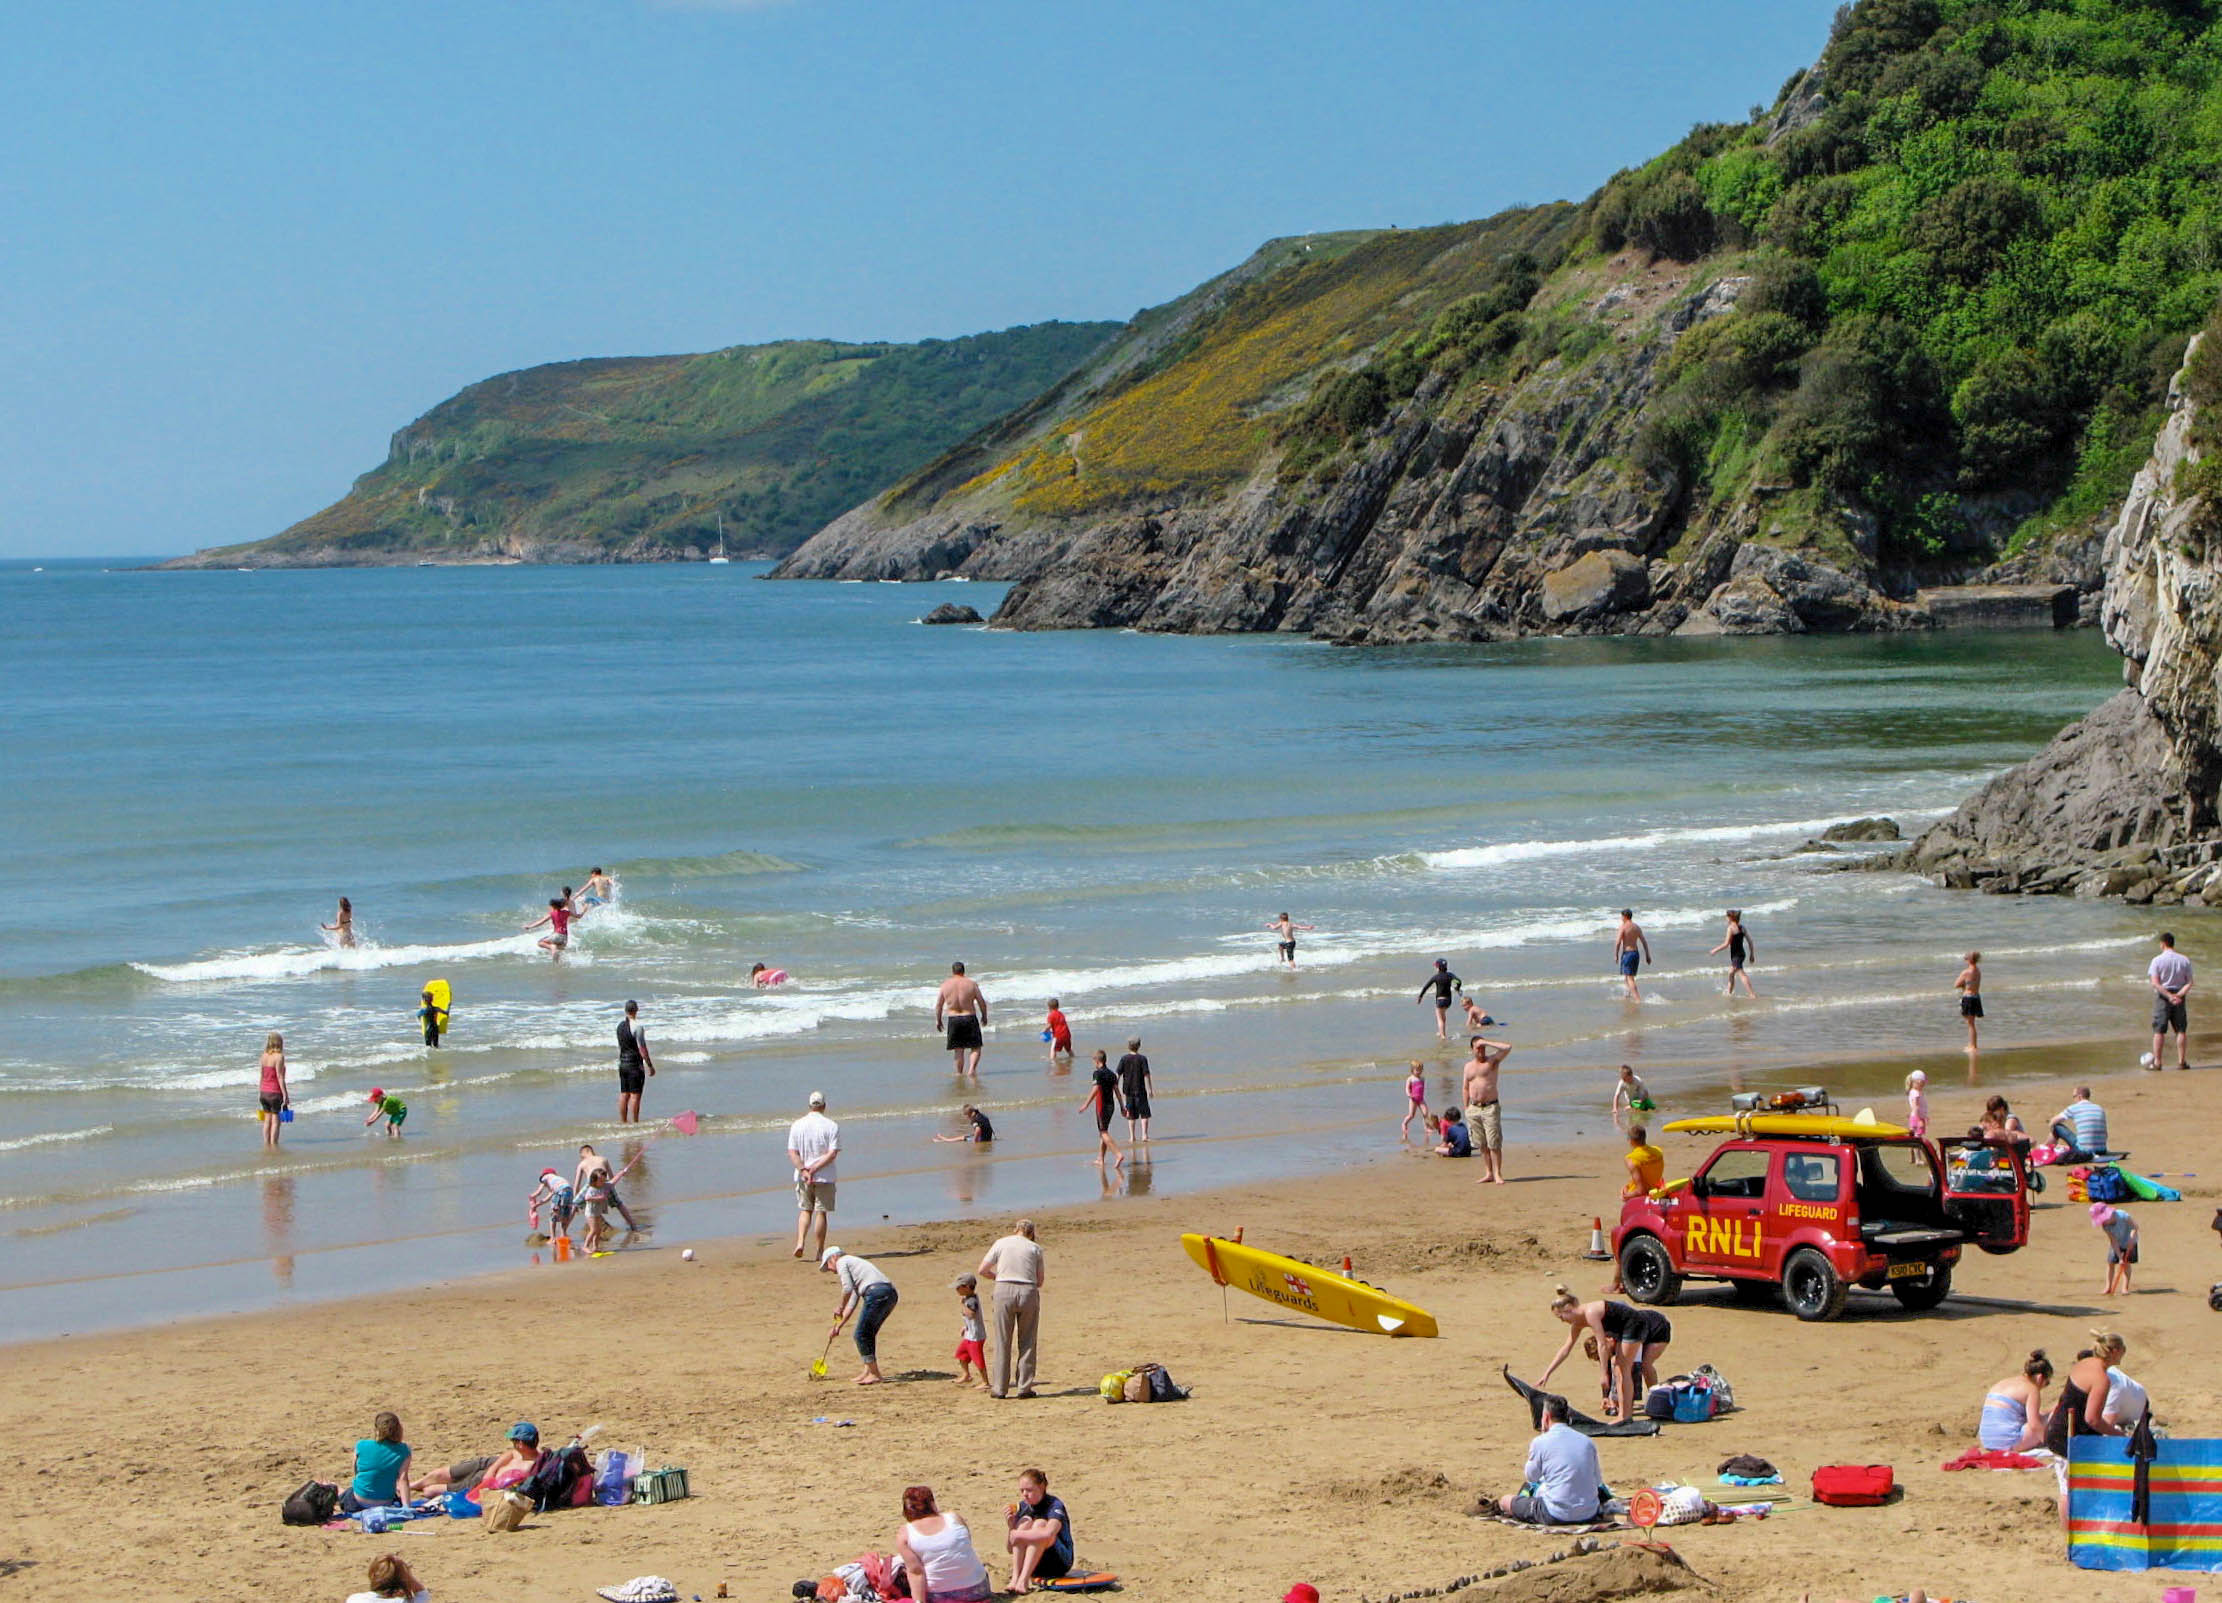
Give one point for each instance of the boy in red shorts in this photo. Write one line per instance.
(972, 1353)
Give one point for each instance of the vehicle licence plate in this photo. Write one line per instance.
(1908, 1271)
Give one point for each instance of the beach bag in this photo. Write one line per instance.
(1724, 1395)
(1694, 1405)
(313, 1504)
(507, 1511)
(1162, 1387)
(1853, 1485)
(1681, 1505)
(1112, 1388)
(460, 1507)
(564, 1478)
(1658, 1402)
(613, 1479)
(1136, 1389)
(666, 1485)
(2107, 1185)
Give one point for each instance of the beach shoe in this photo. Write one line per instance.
(641, 1589)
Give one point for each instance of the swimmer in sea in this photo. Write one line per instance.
(1475, 1018)
(1286, 928)
(977, 1128)
(558, 919)
(598, 891)
(344, 928)
(763, 975)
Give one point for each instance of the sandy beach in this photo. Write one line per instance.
(1307, 1452)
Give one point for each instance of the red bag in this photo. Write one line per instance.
(1852, 1485)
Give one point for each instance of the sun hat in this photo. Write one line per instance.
(2101, 1212)
(524, 1431)
(377, 1095)
(826, 1257)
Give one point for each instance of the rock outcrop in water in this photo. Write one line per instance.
(2125, 801)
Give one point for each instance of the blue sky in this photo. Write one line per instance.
(240, 244)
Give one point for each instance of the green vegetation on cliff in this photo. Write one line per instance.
(643, 458)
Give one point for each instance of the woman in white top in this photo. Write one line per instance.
(936, 1552)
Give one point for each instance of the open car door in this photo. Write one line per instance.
(1986, 1191)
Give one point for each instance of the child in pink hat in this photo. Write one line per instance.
(2121, 1245)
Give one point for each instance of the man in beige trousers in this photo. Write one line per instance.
(1014, 1263)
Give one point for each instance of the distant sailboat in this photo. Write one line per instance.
(721, 557)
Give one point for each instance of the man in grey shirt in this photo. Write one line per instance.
(2170, 975)
(1563, 1469)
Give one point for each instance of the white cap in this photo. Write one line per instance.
(826, 1257)
(817, 1099)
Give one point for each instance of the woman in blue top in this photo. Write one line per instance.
(1040, 1540)
(381, 1467)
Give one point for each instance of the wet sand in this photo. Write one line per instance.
(1307, 1452)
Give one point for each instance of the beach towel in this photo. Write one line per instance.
(1985, 1458)
(1551, 1530)
(2145, 1190)
(2182, 1528)
(1581, 1422)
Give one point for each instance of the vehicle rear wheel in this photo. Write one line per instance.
(1811, 1287)
(1647, 1271)
(1922, 1295)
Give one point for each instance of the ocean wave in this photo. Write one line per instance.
(716, 865)
(1521, 851)
(56, 1137)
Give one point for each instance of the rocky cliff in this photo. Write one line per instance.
(662, 458)
(1884, 355)
(2125, 802)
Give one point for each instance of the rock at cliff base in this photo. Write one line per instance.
(1602, 581)
(1864, 829)
(952, 612)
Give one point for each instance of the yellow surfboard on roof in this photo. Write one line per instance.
(1816, 1126)
(1306, 1288)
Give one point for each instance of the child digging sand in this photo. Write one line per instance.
(390, 1108)
(2121, 1245)
(972, 1353)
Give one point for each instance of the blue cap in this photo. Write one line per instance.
(524, 1431)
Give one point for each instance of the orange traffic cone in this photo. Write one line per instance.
(1597, 1241)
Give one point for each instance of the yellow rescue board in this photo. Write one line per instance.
(1826, 1127)
(1307, 1288)
(441, 995)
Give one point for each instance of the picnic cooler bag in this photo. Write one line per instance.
(1853, 1485)
(666, 1485)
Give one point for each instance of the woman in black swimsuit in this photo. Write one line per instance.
(1627, 1340)
(1736, 941)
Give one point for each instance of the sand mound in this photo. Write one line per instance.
(1595, 1577)
(1397, 1486)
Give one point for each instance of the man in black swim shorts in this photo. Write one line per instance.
(634, 1064)
(960, 1010)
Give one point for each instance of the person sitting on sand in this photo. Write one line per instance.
(1457, 1142)
(2013, 1410)
(2126, 1399)
(381, 1468)
(1629, 1341)
(390, 1577)
(935, 1550)
(1564, 1483)
(503, 1469)
(2081, 1410)
(1040, 1535)
(2001, 1123)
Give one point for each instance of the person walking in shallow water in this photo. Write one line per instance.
(1286, 928)
(1442, 983)
(1970, 987)
(963, 1009)
(1631, 948)
(342, 927)
(1736, 941)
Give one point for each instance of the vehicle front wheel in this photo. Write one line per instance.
(1811, 1287)
(1921, 1295)
(1647, 1271)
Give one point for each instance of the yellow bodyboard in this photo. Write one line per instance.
(1307, 1288)
(440, 998)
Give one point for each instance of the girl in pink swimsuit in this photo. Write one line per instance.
(1415, 1099)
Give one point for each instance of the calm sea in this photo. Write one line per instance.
(199, 765)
